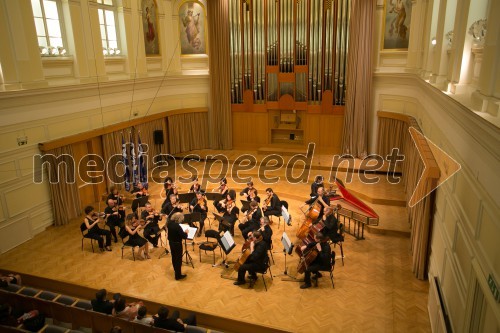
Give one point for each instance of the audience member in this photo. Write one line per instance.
(116, 329)
(11, 278)
(6, 317)
(100, 303)
(173, 323)
(142, 318)
(125, 311)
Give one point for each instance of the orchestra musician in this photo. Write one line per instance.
(321, 262)
(118, 199)
(114, 218)
(223, 190)
(256, 261)
(91, 220)
(322, 199)
(175, 237)
(152, 229)
(132, 226)
(331, 222)
(318, 182)
(272, 205)
(245, 191)
(252, 219)
(267, 232)
(140, 191)
(199, 205)
(196, 187)
(252, 196)
(231, 212)
(169, 187)
(171, 205)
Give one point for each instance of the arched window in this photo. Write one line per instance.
(48, 17)
(109, 27)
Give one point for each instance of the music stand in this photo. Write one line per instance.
(191, 234)
(287, 250)
(187, 197)
(213, 196)
(139, 202)
(245, 205)
(227, 244)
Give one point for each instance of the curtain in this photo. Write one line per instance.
(219, 113)
(65, 196)
(392, 133)
(189, 132)
(111, 145)
(359, 79)
(146, 132)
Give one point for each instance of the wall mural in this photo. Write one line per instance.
(192, 28)
(150, 27)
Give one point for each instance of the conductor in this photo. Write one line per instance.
(175, 237)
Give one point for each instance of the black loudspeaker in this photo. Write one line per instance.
(158, 137)
(292, 136)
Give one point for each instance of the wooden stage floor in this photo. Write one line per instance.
(375, 290)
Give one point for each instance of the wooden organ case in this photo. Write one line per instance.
(288, 55)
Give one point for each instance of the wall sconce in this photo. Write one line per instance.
(433, 41)
(22, 140)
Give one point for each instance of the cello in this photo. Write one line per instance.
(245, 254)
(307, 258)
(311, 215)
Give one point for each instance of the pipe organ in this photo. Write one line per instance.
(288, 54)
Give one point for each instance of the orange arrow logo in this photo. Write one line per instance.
(439, 166)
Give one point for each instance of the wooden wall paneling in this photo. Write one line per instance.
(250, 129)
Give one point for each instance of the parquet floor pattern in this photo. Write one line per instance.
(374, 292)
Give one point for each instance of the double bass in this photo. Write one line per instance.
(311, 215)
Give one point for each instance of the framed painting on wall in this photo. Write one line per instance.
(150, 27)
(192, 28)
(397, 19)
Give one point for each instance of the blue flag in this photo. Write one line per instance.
(125, 163)
(134, 177)
(143, 170)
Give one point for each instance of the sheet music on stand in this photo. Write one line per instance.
(287, 244)
(285, 214)
(227, 242)
(191, 231)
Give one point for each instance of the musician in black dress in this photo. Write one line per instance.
(152, 229)
(252, 219)
(199, 205)
(114, 218)
(331, 222)
(231, 213)
(196, 187)
(257, 260)
(175, 237)
(321, 262)
(94, 231)
(132, 226)
(322, 199)
(318, 182)
(273, 206)
(171, 206)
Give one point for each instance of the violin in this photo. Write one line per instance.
(202, 202)
(267, 202)
(96, 216)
